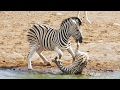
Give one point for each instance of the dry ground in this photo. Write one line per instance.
(101, 38)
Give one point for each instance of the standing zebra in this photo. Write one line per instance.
(41, 36)
(77, 66)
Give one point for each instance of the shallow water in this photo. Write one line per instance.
(26, 74)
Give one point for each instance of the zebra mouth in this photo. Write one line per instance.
(79, 40)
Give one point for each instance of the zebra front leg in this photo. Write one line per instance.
(45, 60)
(32, 50)
(60, 53)
(39, 51)
(70, 50)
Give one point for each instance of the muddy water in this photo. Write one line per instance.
(28, 74)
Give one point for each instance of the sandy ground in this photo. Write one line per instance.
(101, 38)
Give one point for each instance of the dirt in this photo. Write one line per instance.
(101, 38)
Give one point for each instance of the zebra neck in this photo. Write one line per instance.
(63, 36)
(60, 66)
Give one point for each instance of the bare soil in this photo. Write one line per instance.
(101, 38)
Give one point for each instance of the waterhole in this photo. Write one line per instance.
(35, 74)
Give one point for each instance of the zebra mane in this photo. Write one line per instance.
(76, 19)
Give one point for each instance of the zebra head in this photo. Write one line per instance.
(73, 24)
(75, 29)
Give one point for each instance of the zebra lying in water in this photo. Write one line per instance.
(77, 66)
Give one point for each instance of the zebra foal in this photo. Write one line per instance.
(77, 66)
(41, 37)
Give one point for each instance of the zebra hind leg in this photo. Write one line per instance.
(39, 51)
(32, 50)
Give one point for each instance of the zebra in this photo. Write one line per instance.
(44, 37)
(77, 66)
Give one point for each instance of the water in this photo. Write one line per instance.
(26, 74)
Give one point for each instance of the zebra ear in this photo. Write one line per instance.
(73, 21)
(79, 20)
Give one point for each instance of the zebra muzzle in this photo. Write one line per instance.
(79, 40)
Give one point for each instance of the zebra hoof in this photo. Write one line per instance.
(30, 69)
(54, 59)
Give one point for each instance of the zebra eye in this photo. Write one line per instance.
(77, 30)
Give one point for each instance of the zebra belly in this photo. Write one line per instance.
(48, 44)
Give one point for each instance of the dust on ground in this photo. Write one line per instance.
(101, 38)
